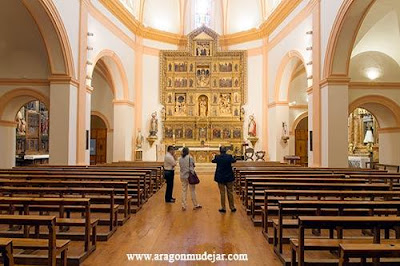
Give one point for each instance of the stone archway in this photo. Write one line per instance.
(10, 104)
(387, 114)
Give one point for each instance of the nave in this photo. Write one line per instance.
(165, 228)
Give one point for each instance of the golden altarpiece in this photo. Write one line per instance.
(203, 90)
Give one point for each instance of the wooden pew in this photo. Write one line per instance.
(315, 186)
(294, 208)
(81, 192)
(51, 244)
(149, 175)
(6, 250)
(331, 222)
(82, 183)
(364, 251)
(255, 186)
(273, 196)
(135, 194)
(240, 173)
(61, 205)
(243, 186)
(145, 179)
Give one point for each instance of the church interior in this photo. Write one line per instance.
(303, 94)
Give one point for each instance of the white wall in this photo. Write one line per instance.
(22, 50)
(71, 9)
(150, 104)
(255, 97)
(243, 17)
(102, 98)
(104, 39)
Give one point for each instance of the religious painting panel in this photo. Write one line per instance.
(217, 133)
(189, 133)
(179, 133)
(169, 133)
(237, 133)
(180, 104)
(227, 133)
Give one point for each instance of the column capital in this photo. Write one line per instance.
(89, 89)
(63, 79)
(335, 80)
(124, 102)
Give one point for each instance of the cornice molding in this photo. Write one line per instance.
(23, 82)
(335, 80)
(274, 104)
(374, 85)
(124, 102)
(63, 79)
(267, 27)
(5, 123)
(389, 130)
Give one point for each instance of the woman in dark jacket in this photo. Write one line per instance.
(224, 177)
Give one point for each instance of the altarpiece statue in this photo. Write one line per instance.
(203, 90)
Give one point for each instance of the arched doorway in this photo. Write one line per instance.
(98, 140)
(32, 134)
(291, 100)
(35, 51)
(360, 67)
(382, 116)
(301, 141)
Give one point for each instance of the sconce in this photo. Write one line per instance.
(285, 136)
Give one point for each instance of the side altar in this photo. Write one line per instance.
(203, 90)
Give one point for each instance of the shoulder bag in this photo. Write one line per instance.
(193, 178)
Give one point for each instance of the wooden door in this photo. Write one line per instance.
(99, 150)
(301, 141)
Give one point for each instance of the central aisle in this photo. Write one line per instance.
(165, 228)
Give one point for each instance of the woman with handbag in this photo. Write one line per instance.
(186, 164)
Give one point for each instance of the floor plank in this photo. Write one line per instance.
(165, 228)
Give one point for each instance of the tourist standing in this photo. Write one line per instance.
(224, 177)
(186, 164)
(169, 172)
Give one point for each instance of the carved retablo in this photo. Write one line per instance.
(203, 90)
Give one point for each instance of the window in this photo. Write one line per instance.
(202, 13)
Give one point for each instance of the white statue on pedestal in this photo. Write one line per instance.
(252, 127)
(153, 125)
(139, 140)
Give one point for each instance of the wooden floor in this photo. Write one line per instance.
(165, 228)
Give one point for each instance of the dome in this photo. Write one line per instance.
(183, 16)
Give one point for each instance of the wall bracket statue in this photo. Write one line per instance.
(153, 129)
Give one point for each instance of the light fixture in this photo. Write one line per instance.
(373, 73)
(292, 103)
